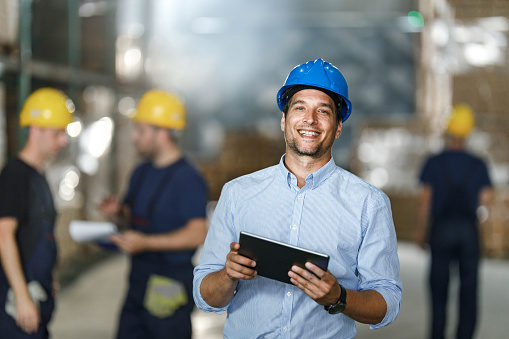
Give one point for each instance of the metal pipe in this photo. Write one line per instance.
(74, 50)
(25, 55)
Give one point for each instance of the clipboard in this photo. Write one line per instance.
(83, 231)
(274, 259)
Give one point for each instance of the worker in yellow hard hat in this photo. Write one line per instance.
(160, 108)
(28, 250)
(454, 184)
(165, 206)
(48, 111)
(461, 122)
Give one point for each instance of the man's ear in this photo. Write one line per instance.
(33, 130)
(283, 122)
(163, 134)
(338, 130)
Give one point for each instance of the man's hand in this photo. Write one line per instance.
(55, 288)
(131, 242)
(323, 289)
(421, 237)
(237, 266)
(27, 315)
(367, 307)
(110, 207)
(218, 288)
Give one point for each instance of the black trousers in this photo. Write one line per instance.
(454, 242)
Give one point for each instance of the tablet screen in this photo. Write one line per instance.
(274, 259)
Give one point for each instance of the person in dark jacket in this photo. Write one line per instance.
(455, 183)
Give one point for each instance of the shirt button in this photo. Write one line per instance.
(299, 196)
(294, 227)
(289, 294)
(285, 329)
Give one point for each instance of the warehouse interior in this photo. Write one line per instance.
(406, 61)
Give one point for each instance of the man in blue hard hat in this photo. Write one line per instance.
(305, 201)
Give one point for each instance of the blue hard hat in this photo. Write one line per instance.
(319, 74)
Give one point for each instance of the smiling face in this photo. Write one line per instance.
(310, 125)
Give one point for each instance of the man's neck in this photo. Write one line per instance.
(302, 166)
(166, 157)
(30, 156)
(455, 144)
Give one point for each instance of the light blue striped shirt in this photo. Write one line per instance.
(334, 213)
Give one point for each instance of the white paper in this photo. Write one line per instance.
(88, 231)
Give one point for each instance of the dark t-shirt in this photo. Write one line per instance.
(26, 196)
(165, 199)
(456, 179)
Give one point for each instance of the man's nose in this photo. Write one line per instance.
(309, 117)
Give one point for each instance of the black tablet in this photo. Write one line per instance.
(274, 259)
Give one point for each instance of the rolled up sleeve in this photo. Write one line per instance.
(378, 257)
(215, 248)
(200, 272)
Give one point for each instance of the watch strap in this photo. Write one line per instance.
(339, 305)
(342, 296)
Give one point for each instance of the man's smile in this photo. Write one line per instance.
(308, 133)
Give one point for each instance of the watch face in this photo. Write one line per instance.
(339, 305)
(336, 308)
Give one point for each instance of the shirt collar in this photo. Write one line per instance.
(313, 180)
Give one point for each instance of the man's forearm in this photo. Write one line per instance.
(486, 197)
(217, 289)
(423, 215)
(11, 263)
(368, 307)
(188, 237)
(423, 207)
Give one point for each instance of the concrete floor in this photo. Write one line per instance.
(88, 308)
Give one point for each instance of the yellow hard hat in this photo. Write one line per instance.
(160, 108)
(47, 108)
(461, 121)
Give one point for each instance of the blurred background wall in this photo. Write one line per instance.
(406, 61)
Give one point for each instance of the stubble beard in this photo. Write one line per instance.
(315, 153)
(146, 153)
(147, 150)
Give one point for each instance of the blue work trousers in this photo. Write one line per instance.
(136, 322)
(454, 242)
